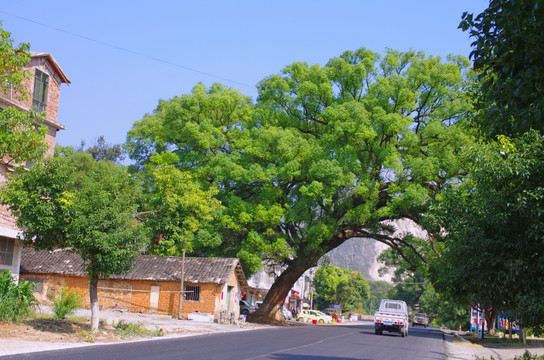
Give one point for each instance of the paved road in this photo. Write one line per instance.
(282, 343)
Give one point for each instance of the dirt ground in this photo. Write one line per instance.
(56, 330)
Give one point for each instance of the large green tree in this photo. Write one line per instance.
(326, 154)
(493, 221)
(81, 205)
(493, 252)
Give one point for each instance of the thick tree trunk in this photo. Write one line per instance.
(93, 294)
(270, 310)
(510, 330)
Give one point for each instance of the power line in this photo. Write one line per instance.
(127, 50)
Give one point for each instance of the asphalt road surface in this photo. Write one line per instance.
(348, 342)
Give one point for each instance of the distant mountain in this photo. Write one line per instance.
(360, 254)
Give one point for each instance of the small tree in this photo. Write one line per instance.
(66, 302)
(81, 205)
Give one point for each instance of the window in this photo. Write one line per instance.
(192, 293)
(6, 251)
(39, 96)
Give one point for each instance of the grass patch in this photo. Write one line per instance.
(497, 341)
(124, 330)
(526, 356)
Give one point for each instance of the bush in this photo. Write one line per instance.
(66, 303)
(131, 330)
(16, 301)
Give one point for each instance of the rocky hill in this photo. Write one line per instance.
(360, 254)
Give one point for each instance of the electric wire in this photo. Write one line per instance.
(127, 50)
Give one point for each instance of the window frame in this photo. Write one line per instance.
(192, 293)
(41, 86)
(6, 244)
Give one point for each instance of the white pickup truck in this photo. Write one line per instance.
(392, 316)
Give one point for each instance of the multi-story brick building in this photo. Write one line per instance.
(44, 89)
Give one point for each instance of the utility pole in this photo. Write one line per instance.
(180, 310)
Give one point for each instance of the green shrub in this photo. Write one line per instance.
(66, 303)
(130, 330)
(528, 356)
(16, 301)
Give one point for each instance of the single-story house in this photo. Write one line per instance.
(212, 285)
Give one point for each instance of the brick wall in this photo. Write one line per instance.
(53, 92)
(8, 226)
(6, 219)
(134, 295)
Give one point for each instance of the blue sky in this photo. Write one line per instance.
(123, 56)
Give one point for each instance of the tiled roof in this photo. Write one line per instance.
(147, 267)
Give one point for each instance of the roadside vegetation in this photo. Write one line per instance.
(526, 356)
(16, 300)
(66, 302)
(324, 154)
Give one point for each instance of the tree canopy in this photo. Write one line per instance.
(327, 153)
(341, 286)
(507, 53)
(81, 205)
(492, 221)
(495, 225)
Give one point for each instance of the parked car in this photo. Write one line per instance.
(420, 319)
(246, 308)
(317, 315)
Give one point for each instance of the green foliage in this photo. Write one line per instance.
(495, 230)
(20, 138)
(378, 290)
(508, 54)
(89, 207)
(78, 203)
(528, 356)
(445, 310)
(181, 210)
(131, 330)
(341, 286)
(326, 154)
(12, 62)
(66, 302)
(101, 150)
(16, 301)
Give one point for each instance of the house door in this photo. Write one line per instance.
(229, 297)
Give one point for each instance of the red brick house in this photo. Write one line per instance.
(44, 89)
(212, 285)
